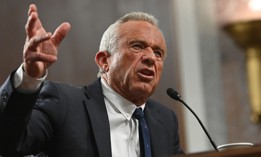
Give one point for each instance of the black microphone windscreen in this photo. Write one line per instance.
(173, 94)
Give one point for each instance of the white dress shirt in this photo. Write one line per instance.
(124, 130)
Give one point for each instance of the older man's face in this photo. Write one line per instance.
(135, 70)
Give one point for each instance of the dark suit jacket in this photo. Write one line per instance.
(68, 121)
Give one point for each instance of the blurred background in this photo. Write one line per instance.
(212, 60)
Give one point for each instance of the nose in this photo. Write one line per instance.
(149, 57)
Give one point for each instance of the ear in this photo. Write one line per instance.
(101, 59)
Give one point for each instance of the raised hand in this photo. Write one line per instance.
(41, 47)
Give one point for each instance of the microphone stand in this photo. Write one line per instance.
(205, 130)
(175, 95)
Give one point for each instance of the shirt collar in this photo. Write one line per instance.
(122, 105)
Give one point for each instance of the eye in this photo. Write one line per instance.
(138, 46)
(158, 53)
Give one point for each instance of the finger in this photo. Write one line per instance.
(33, 23)
(34, 42)
(42, 57)
(32, 8)
(60, 33)
(30, 25)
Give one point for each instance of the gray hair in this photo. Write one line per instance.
(109, 40)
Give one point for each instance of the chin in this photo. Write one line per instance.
(145, 90)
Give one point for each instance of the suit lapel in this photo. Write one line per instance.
(156, 128)
(99, 119)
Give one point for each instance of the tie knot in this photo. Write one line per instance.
(138, 113)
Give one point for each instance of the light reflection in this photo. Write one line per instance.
(254, 5)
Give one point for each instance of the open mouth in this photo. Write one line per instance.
(146, 74)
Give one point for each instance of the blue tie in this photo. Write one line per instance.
(144, 134)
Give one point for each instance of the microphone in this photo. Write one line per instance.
(175, 95)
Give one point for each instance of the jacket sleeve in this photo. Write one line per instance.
(15, 111)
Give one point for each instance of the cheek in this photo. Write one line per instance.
(129, 63)
(159, 71)
(124, 67)
(119, 67)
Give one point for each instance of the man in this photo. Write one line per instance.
(96, 120)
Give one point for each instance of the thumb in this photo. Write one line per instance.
(60, 33)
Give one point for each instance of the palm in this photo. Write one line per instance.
(46, 48)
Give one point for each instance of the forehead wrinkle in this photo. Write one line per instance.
(138, 35)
